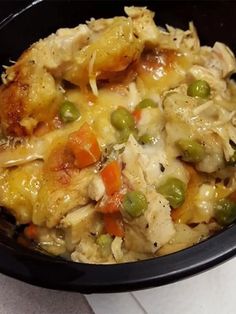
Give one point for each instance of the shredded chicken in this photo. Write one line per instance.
(220, 59)
(96, 188)
(201, 73)
(155, 227)
(144, 25)
(118, 139)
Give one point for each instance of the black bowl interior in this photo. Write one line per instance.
(215, 20)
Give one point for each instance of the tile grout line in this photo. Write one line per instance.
(89, 305)
(138, 302)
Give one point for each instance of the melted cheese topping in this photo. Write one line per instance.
(100, 67)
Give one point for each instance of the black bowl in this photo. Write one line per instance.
(214, 21)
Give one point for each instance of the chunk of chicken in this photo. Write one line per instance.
(186, 41)
(88, 251)
(202, 122)
(96, 188)
(219, 59)
(116, 248)
(144, 25)
(152, 122)
(98, 25)
(184, 237)
(79, 223)
(142, 165)
(133, 171)
(154, 227)
(199, 72)
(227, 58)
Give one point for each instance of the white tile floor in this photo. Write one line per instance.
(213, 292)
(210, 293)
(20, 298)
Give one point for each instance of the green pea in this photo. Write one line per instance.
(200, 89)
(122, 119)
(146, 139)
(225, 211)
(68, 112)
(104, 240)
(145, 103)
(135, 203)
(125, 133)
(173, 190)
(191, 150)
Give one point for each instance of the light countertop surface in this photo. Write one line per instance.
(212, 292)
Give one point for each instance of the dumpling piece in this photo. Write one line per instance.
(118, 140)
(149, 232)
(19, 189)
(111, 51)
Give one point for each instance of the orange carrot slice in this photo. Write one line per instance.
(111, 176)
(31, 232)
(137, 115)
(112, 204)
(114, 224)
(84, 146)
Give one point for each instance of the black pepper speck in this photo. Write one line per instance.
(162, 168)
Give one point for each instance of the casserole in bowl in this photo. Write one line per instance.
(128, 266)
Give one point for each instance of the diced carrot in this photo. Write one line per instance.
(112, 204)
(137, 115)
(31, 232)
(114, 224)
(84, 146)
(111, 176)
(59, 166)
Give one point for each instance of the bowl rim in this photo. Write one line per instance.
(54, 273)
(23, 264)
